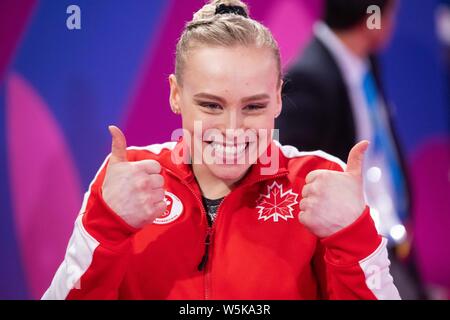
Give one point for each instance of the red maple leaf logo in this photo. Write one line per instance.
(276, 203)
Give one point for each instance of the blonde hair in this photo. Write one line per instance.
(226, 30)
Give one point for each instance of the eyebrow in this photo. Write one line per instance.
(203, 95)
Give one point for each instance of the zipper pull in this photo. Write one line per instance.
(204, 260)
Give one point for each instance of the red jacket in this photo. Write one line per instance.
(258, 249)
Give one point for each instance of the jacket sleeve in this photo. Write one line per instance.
(353, 263)
(98, 251)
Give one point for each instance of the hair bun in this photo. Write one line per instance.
(230, 9)
(217, 7)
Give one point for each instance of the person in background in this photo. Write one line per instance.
(333, 96)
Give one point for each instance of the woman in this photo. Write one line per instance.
(214, 215)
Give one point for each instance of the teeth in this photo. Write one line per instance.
(228, 150)
(218, 147)
(240, 148)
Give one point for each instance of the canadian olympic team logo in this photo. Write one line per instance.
(173, 211)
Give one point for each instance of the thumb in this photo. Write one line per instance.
(118, 145)
(356, 158)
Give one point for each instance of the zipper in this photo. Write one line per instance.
(209, 241)
(204, 260)
(205, 263)
(208, 237)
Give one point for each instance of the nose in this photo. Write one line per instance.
(234, 120)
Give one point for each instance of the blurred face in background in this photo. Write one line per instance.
(233, 93)
(380, 38)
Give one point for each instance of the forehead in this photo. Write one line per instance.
(237, 70)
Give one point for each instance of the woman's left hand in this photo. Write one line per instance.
(333, 200)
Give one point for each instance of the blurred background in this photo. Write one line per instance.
(60, 88)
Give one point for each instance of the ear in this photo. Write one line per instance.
(174, 97)
(279, 105)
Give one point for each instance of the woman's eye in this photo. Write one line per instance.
(255, 107)
(211, 106)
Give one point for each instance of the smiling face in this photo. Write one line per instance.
(234, 95)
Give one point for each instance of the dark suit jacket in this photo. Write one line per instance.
(317, 112)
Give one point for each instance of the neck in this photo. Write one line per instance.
(211, 186)
(355, 41)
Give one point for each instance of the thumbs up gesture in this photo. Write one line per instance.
(133, 190)
(333, 200)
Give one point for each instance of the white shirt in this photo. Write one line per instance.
(353, 70)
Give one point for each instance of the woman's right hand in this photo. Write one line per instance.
(133, 190)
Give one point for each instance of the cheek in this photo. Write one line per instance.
(191, 116)
(199, 127)
(265, 121)
(263, 126)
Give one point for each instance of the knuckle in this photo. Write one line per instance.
(154, 166)
(157, 181)
(312, 203)
(320, 177)
(305, 190)
(303, 204)
(158, 195)
(156, 210)
(303, 217)
(135, 167)
(311, 188)
(140, 184)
